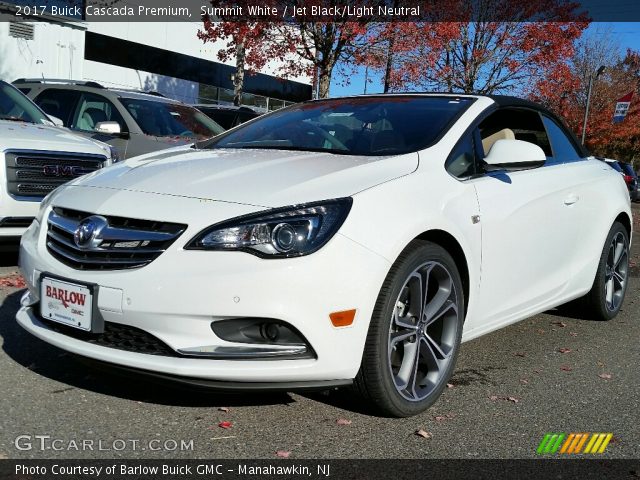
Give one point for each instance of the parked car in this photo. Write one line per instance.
(228, 116)
(631, 179)
(628, 174)
(336, 241)
(133, 122)
(36, 157)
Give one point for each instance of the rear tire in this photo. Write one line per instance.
(610, 285)
(415, 332)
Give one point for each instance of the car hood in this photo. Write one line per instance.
(29, 136)
(266, 178)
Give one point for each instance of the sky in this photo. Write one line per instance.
(627, 34)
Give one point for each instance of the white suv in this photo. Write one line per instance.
(37, 156)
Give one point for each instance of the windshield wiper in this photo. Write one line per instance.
(15, 119)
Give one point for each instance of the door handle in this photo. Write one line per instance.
(571, 199)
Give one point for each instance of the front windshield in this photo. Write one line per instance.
(15, 106)
(375, 125)
(165, 119)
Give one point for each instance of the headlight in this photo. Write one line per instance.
(46, 201)
(283, 232)
(114, 157)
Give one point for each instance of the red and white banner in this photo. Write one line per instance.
(622, 107)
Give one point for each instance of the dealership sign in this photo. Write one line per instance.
(622, 107)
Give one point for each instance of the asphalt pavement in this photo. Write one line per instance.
(555, 372)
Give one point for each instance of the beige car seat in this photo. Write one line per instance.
(504, 134)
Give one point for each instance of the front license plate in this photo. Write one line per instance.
(67, 303)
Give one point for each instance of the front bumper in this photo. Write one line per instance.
(177, 297)
(16, 216)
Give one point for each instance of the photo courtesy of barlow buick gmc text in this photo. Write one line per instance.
(308, 239)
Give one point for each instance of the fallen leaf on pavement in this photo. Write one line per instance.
(510, 399)
(540, 331)
(14, 281)
(343, 421)
(524, 381)
(423, 433)
(224, 409)
(566, 368)
(449, 385)
(564, 350)
(520, 354)
(441, 418)
(225, 425)
(283, 454)
(605, 376)
(573, 334)
(559, 324)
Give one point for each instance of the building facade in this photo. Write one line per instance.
(164, 57)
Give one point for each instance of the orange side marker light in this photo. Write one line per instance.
(342, 319)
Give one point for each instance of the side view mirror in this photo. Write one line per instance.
(514, 155)
(111, 128)
(56, 121)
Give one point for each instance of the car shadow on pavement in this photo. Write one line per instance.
(9, 254)
(55, 364)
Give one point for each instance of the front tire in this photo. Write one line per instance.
(415, 332)
(610, 285)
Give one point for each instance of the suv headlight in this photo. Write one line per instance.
(114, 157)
(283, 232)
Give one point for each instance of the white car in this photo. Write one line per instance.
(353, 240)
(36, 156)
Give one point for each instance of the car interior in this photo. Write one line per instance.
(514, 124)
(504, 124)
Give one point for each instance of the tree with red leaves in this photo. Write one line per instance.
(565, 92)
(617, 140)
(314, 48)
(405, 51)
(246, 42)
(505, 46)
(303, 45)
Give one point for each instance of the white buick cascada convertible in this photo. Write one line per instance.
(353, 240)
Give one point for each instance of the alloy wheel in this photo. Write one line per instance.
(424, 329)
(616, 270)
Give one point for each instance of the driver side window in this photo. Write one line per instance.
(93, 109)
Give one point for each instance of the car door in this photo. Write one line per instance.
(589, 196)
(529, 228)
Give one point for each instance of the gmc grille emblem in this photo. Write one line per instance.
(62, 171)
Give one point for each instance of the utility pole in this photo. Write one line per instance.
(597, 73)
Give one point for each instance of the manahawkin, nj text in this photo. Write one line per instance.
(173, 470)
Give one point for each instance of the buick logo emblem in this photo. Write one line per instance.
(87, 234)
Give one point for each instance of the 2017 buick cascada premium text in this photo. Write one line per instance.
(353, 240)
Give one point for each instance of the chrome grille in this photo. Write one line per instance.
(124, 243)
(36, 173)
